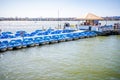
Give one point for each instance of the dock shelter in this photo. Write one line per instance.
(91, 19)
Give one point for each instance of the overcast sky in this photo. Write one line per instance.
(66, 8)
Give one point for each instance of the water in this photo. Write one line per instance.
(31, 26)
(95, 58)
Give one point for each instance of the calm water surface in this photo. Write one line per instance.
(85, 59)
(31, 26)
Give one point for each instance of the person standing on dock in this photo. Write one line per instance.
(89, 28)
(0, 32)
(22, 34)
(115, 26)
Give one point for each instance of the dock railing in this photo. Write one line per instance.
(102, 29)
